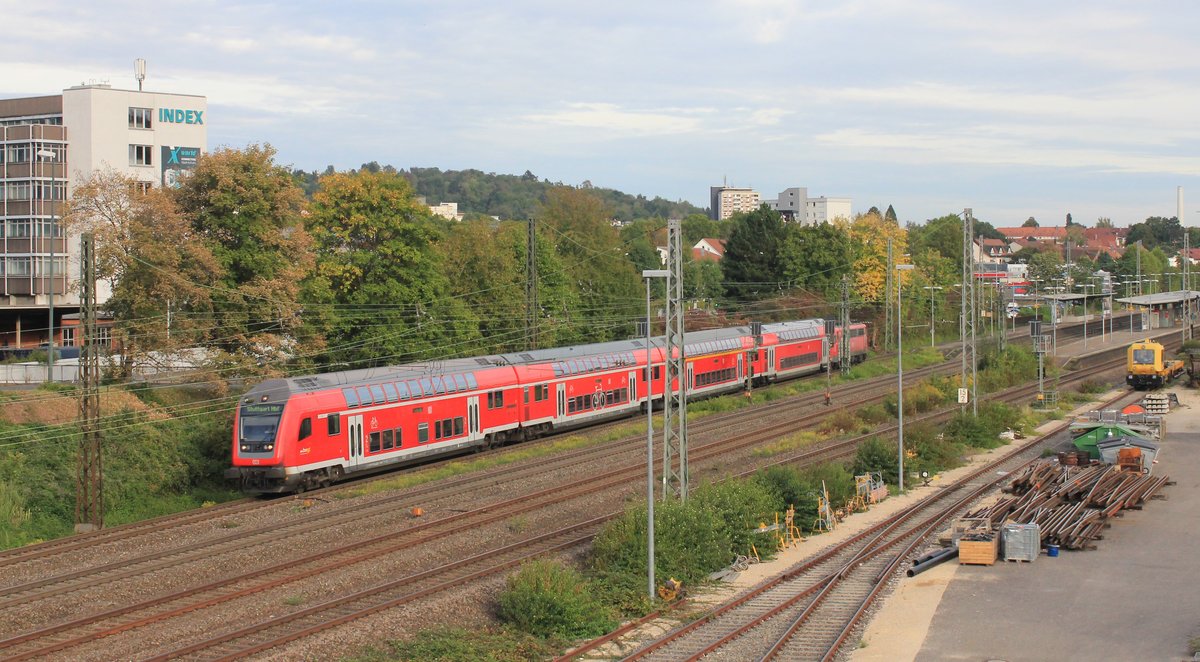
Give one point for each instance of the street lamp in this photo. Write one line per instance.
(647, 274)
(52, 157)
(1085, 287)
(932, 289)
(900, 377)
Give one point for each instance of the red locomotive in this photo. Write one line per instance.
(305, 432)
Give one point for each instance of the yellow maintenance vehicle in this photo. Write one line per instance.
(1148, 367)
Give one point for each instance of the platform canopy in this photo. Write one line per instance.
(1161, 298)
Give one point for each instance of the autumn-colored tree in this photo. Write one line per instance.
(870, 234)
(158, 269)
(247, 211)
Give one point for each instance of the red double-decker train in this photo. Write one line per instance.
(305, 432)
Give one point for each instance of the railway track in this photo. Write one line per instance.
(811, 611)
(289, 570)
(284, 629)
(80, 631)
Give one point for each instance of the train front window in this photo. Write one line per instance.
(1143, 356)
(259, 423)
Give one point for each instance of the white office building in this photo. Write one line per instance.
(47, 145)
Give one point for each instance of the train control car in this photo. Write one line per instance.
(306, 432)
(1148, 366)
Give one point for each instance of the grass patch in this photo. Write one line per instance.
(791, 442)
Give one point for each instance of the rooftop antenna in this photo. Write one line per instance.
(139, 71)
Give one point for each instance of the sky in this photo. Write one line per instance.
(1013, 109)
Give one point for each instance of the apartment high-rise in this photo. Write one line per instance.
(725, 201)
(49, 144)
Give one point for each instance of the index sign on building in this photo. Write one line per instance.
(180, 116)
(176, 161)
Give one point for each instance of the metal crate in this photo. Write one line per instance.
(1020, 542)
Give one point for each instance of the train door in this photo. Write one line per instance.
(741, 367)
(354, 432)
(473, 417)
(688, 384)
(770, 361)
(633, 392)
(562, 399)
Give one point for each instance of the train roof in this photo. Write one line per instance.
(696, 342)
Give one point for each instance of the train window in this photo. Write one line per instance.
(414, 389)
(558, 370)
(333, 424)
(399, 437)
(364, 395)
(390, 390)
(571, 406)
(446, 428)
(458, 426)
(471, 381)
(437, 429)
(657, 372)
(377, 395)
(422, 433)
(438, 386)
(305, 429)
(461, 382)
(427, 386)
(541, 392)
(388, 440)
(495, 399)
(351, 397)
(374, 442)
(526, 392)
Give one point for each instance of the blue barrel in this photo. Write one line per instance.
(1051, 550)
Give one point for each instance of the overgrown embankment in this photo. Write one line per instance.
(164, 450)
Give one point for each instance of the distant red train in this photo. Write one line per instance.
(306, 432)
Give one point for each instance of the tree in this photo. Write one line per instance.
(380, 272)
(1104, 222)
(751, 265)
(1047, 267)
(1069, 219)
(890, 215)
(247, 212)
(1030, 222)
(154, 262)
(869, 234)
(816, 257)
(579, 225)
(1155, 231)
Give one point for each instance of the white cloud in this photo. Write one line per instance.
(614, 120)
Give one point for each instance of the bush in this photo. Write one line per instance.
(875, 454)
(547, 599)
(739, 505)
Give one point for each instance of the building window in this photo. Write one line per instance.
(18, 266)
(68, 336)
(104, 336)
(17, 191)
(139, 118)
(141, 155)
(17, 228)
(19, 153)
(143, 187)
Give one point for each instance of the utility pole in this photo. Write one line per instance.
(887, 304)
(675, 478)
(89, 485)
(967, 321)
(844, 343)
(531, 302)
(1187, 295)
